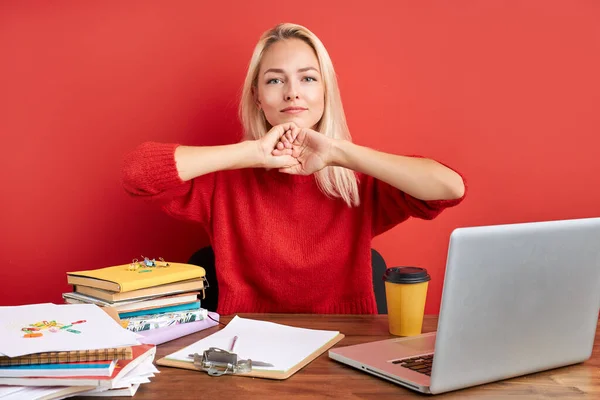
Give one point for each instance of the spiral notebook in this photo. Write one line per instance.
(287, 348)
(141, 353)
(116, 353)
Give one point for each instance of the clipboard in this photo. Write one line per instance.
(258, 373)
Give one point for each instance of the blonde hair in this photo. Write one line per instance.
(335, 182)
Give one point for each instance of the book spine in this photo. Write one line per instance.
(147, 322)
(159, 310)
(69, 356)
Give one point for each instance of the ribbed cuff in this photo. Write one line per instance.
(159, 162)
(150, 168)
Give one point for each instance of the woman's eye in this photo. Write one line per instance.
(274, 80)
(309, 79)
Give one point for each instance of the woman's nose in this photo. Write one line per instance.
(291, 93)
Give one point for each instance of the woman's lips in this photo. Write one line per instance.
(293, 110)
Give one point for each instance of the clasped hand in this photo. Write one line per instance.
(295, 150)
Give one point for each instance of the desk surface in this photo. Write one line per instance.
(327, 378)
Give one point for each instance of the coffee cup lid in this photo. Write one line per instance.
(406, 275)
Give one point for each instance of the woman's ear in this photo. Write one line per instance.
(255, 96)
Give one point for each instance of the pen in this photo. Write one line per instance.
(235, 338)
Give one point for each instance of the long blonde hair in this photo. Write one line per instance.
(336, 182)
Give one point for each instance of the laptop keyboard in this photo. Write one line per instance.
(421, 364)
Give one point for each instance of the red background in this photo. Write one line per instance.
(505, 92)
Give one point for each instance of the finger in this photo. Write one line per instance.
(290, 125)
(289, 139)
(294, 136)
(286, 162)
(284, 152)
(278, 131)
(283, 139)
(280, 146)
(287, 127)
(292, 170)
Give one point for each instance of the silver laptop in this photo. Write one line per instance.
(517, 299)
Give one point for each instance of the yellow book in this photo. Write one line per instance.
(124, 278)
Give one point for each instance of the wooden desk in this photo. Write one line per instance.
(325, 378)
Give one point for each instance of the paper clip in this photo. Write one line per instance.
(148, 262)
(219, 362)
(162, 263)
(134, 265)
(153, 263)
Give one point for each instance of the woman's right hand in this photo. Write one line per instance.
(268, 143)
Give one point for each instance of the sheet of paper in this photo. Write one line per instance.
(128, 391)
(281, 345)
(33, 393)
(62, 327)
(6, 390)
(40, 304)
(140, 374)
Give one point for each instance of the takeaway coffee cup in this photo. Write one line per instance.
(405, 292)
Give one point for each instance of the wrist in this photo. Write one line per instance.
(251, 154)
(338, 153)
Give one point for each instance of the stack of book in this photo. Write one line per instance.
(99, 372)
(50, 351)
(150, 297)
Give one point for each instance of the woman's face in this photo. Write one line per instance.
(289, 85)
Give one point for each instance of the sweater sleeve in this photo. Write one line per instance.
(149, 171)
(392, 206)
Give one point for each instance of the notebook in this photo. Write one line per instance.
(163, 320)
(287, 348)
(147, 293)
(85, 368)
(168, 309)
(41, 393)
(162, 335)
(133, 305)
(120, 278)
(141, 353)
(123, 353)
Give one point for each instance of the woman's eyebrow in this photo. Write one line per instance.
(281, 71)
(308, 69)
(276, 70)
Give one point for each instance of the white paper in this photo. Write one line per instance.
(281, 345)
(139, 374)
(128, 391)
(40, 304)
(99, 330)
(33, 393)
(6, 390)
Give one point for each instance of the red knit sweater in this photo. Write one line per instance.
(280, 244)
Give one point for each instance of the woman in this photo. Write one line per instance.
(291, 210)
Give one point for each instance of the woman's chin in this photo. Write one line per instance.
(301, 122)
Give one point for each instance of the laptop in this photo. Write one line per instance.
(517, 299)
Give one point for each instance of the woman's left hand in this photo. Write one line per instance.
(312, 150)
